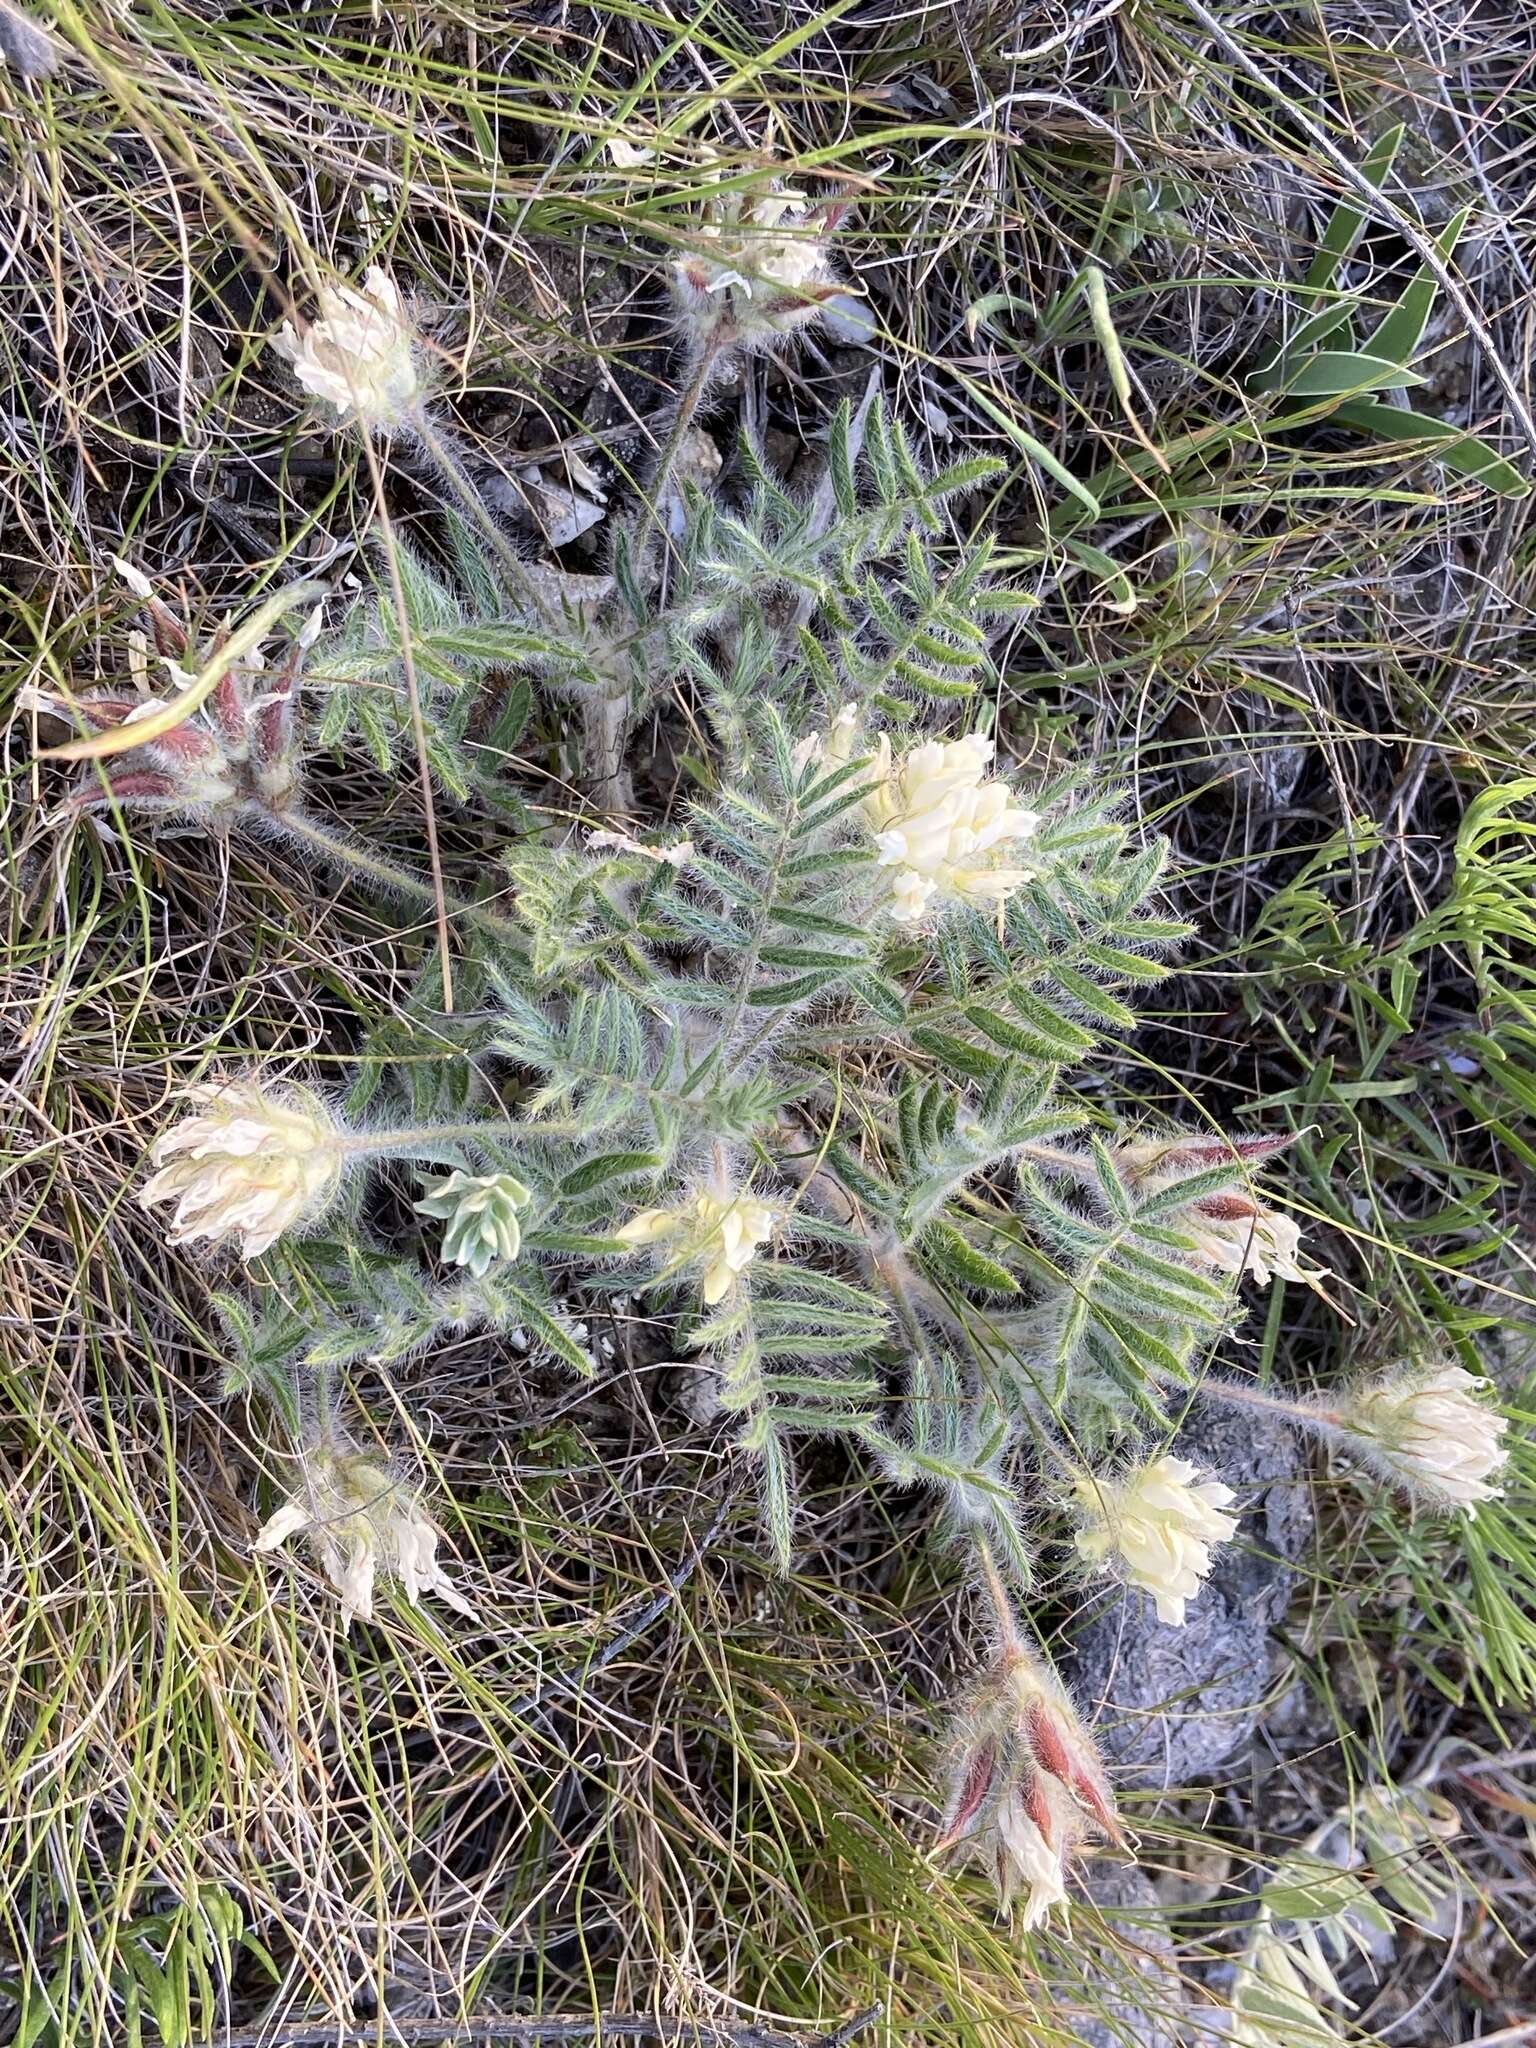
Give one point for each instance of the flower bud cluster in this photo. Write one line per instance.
(241, 750)
(483, 1214)
(1029, 1790)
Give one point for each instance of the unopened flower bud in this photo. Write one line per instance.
(359, 356)
(1160, 1524)
(361, 1520)
(1430, 1431)
(250, 1163)
(724, 1231)
(482, 1213)
(240, 750)
(1029, 1789)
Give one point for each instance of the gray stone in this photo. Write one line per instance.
(1173, 1705)
(1131, 1978)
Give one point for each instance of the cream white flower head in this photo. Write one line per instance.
(1433, 1432)
(759, 266)
(483, 1214)
(360, 354)
(944, 827)
(360, 1521)
(724, 1231)
(248, 1164)
(1161, 1524)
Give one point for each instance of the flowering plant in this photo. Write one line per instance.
(789, 1074)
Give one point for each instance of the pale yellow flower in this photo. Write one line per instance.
(248, 1164)
(833, 750)
(1160, 1525)
(360, 354)
(722, 1230)
(1431, 1431)
(1231, 1232)
(1028, 1787)
(360, 1520)
(770, 244)
(1234, 1235)
(944, 827)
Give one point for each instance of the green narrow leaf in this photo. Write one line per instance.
(946, 1249)
(1459, 451)
(1347, 219)
(1339, 371)
(1122, 593)
(545, 1330)
(1400, 333)
(1036, 450)
(593, 1173)
(959, 1054)
(1307, 336)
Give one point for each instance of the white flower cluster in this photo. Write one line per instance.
(360, 355)
(1430, 1431)
(1235, 1235)
(757, 267)
(361, 1520)
(944, 826)
(1231, 1232)
(1161, 1525)
(250, 1163)
(941, 824)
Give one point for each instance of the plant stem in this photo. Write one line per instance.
(344, 852)
(687, 405)
(418, 723)
(1224, 1393)
(390, 880)
(405, 1144)
(997, 1593)
(458, 478)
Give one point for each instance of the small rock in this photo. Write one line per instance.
(1133, 1979)
(850, 321)
(1173, 1705)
